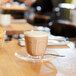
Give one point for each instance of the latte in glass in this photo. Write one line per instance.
(36, 42)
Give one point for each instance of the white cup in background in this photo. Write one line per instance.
(5, 19)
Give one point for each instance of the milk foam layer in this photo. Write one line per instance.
(36, 33)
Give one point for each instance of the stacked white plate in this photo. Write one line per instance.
(53, 40)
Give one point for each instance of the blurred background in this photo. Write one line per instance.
(56, 16)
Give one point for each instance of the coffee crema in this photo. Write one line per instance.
(36, 33)
(36, 42)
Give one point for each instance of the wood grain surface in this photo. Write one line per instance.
(18, 28)
(13, 66)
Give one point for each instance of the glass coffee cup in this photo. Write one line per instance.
(36, 44)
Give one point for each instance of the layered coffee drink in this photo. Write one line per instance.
(2, 34)
(36, 42)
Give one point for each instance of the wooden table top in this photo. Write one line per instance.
(18, 28)
(13, 66)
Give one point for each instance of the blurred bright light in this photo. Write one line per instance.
(57, 9)
(17, 3)
(8, 5)
(67, 6)
(38, 8)
(22, 5)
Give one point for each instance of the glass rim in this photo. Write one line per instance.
(47, 33)
(36, 30)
